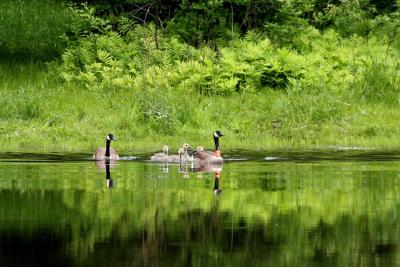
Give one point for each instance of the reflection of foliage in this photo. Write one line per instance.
(307, 205)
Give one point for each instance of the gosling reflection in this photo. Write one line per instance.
(184, 169)
(165, 167)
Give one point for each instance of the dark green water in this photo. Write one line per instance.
(300, 210)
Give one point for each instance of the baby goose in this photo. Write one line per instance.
(169, 158)
(186, 156)
(161, 156)
(176, 158)
(107, 152)
(203, 156)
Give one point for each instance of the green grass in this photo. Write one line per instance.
(31, 30)
(41, 113)
(323, 91)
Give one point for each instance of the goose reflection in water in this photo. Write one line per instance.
(109, 181)
(215, 168)
(207, 168)
(217, 178)
(102, 164)
(106, 165)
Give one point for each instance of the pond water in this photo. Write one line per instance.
(258, 209)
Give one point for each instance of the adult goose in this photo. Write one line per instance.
(203, 156)
(107, 152)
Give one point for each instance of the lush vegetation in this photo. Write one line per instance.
(295, 74)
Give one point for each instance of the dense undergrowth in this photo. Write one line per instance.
(293, 82)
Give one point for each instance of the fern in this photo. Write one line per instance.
(104, 57)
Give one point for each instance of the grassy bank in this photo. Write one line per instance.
(41, 113)
(288, 87)
(33, 29)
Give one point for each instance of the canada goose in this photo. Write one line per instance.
(203, 156)
(162, 156)
(107, 152)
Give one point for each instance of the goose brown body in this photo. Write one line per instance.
(107, 152)
(202, 156)
(100, 154)
(208, 156)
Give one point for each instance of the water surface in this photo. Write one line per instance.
(258, 209)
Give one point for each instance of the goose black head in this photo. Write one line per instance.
(111, 137)
(218, 134)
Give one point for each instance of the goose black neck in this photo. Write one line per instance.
(216, 142)
(107, 148)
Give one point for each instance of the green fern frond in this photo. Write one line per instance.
(104, 57)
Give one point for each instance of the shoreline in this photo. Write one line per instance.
(153, 144)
